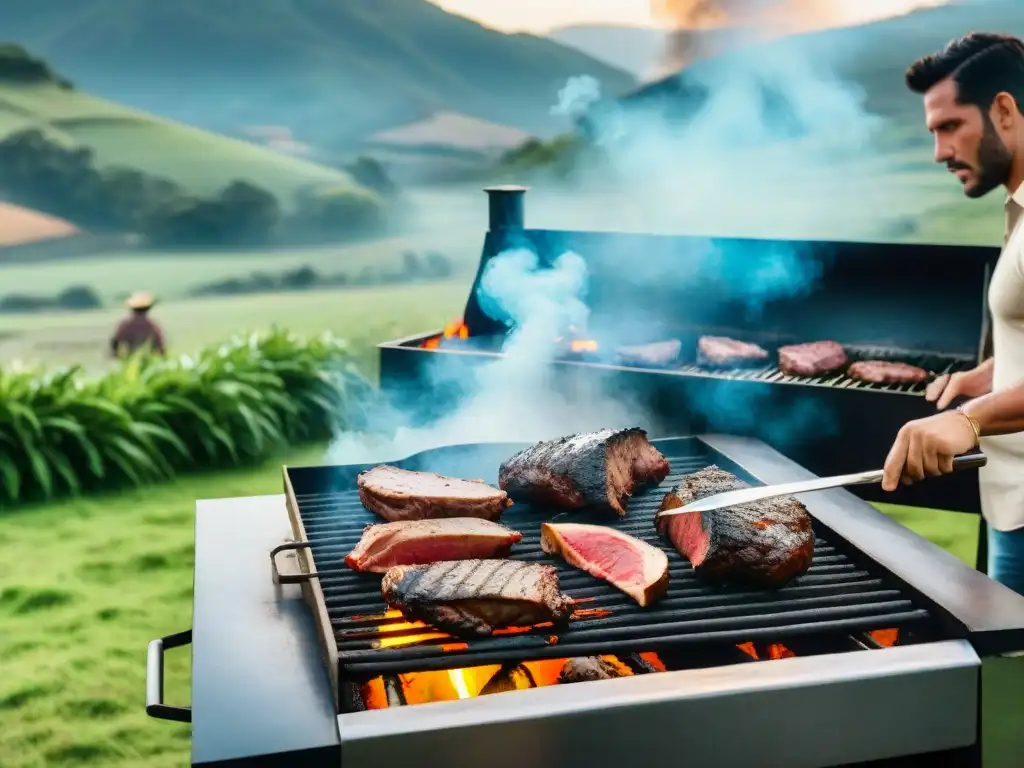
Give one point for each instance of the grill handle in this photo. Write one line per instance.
(155, 706)
(288, 578)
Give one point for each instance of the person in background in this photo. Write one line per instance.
(973, 93)
(138, 329)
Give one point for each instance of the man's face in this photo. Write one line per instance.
(966, 140)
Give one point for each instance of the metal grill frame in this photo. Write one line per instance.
(953, 604)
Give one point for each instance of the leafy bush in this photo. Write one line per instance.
(20, 66)
(150, 419)
(75, 297)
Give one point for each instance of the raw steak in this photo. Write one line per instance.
(417, 542)
(722, 351)
(657, 355)
(472, 598)
(764, 544)
(400, 494)
(587, 669)
(884, 372)
(812, 359)
(631, 565)
(595, 469)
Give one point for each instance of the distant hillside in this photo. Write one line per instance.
(634, 49)
(872, 56)
(330, 71)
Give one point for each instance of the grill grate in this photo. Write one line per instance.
(835, 595)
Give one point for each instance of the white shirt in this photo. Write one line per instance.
(1002, 480)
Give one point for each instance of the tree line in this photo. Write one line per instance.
(67, 182)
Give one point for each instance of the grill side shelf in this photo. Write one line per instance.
(836, 595)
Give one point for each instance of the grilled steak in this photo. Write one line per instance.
(472, 598)
(657, 355)
(399, 494)
(721, 351)
(631, 565)
(812, 359)
(587, 669)
(883, 372)
(595, 469)
(417, 542)
(763, 544)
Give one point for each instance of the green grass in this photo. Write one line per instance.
(200, 161)
(88, 583)
(362, 316)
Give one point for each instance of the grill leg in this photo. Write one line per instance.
(982, 556)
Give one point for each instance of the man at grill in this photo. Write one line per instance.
(138, 329)
(973, 93)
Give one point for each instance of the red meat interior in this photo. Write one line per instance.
(606, 556)
(688, 534)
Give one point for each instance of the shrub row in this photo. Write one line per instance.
(75, 297)
(149, 419)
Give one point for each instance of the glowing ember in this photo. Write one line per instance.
(583, 345)
(766, 652)
(885, 637)
(456, 329)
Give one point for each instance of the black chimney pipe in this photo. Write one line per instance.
(505, 205)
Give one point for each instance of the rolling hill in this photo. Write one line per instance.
(634, 49)
(199, 161)
(331, 71)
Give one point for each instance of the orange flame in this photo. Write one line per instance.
(583, 345)
(456, 329)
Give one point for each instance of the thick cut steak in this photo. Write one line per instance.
(472, 598)
(884, 372)
(595, 469)
(722, 351)
(417, 542)
(400, 494)
(764, 544)
(660, 354)
(813, 359)
(631, 565)
(586, 669)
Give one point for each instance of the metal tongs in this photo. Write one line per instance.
(760, 493)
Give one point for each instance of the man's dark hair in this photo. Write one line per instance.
(982, 64)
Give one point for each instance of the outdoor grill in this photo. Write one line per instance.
(920, 304)
(873, 657)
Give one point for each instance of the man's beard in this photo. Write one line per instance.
(994, 162)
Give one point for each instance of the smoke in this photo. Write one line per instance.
(518, 397)
(577, 95)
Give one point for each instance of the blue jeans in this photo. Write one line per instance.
(1006, 558)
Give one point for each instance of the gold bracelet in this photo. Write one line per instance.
(974, 424)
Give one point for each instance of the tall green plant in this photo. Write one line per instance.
(149, 419)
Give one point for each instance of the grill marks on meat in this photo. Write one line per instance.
(594, 469)
(723, 351)
(813, 359)
(417, 542)
(587, 669)
(660, 354)
(400, 494)
(627, 563)
(472, 598)
(884, 372)
(763, 544)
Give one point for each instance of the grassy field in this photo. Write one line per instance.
(105, 576)
(200, 161)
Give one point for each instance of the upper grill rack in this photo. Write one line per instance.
(835, 596)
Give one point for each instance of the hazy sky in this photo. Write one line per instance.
(542, 15)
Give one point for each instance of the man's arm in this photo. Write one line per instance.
(158, 340)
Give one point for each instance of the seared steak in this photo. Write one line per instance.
(631, 565)
(722, 351)
(763, 544)
(595, 469)
(400, 494)
(657, 355)
(472, 598)
(587, 669)
(417, 542)
(884, 372)
(813, 359)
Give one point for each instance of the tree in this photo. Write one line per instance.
(371, 174)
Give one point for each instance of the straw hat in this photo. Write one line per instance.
(140, 300)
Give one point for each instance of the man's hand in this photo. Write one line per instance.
(973, 383)
(926, 447)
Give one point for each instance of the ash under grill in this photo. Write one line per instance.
(837, 596)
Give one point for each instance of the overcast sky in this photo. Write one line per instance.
(542, 15)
